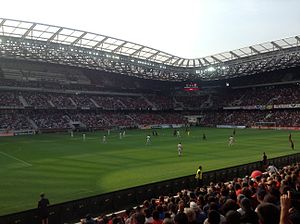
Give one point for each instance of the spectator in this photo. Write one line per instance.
(233, 217)
(268, 213)
(43, 208)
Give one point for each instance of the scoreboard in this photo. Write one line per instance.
(189, 87)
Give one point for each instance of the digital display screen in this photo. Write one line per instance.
(191, 87)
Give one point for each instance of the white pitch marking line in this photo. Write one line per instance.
(15, 158)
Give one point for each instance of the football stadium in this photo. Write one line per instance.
(96, 129)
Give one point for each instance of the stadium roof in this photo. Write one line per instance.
(72, 38)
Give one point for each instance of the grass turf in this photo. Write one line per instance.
(67, 168)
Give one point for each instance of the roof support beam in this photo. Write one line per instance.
(119, 47)
(176, 62)
(153, 55)
(138, 50)
(100, 42)
(3, 21)
(216, 59)
(200, 62)
(206, 61)
(276, 45)
(181, 62)
(254, 50)
(287, 43)
(79, 38)
(234, 54)
(297, 38)
(28, 31)
(169, 59)
(55, 34)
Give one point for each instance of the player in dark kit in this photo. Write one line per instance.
(291, 141)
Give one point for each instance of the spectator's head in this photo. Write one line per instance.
(246, 204)
(181, 218)
(268, 213)
(229, 205)
(138, 218)
(168, 221)
(191, 215)
(155, 215)
(117, 220)
(213, 217)
(233, 217)
(271, 199)
(147, 212)
(181, 206)
(194, 206)
(239, 198)
(260, 195)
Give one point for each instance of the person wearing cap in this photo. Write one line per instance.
(43, 208)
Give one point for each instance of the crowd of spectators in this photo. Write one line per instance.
(268, 95)
(60, 119)
(134, 103)
(270, 197)
(10, 120)
(192, 101)
(37, 100)
(131, 111)
(280, 118)
(46, 120)
(162, 102)
(9, 99)
(61, 101)
(107, 102)
(83, 101)
(89, 120)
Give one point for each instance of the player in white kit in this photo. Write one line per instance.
(148, 140)
(180, 149)
(230, 140)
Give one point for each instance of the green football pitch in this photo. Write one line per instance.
(67, 168)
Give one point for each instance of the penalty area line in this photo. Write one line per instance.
(15, 158)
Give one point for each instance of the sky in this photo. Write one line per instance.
(185, 28)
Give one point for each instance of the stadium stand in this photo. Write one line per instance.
(256, 198)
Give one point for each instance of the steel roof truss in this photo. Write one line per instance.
(55, 34)
(100, 42)
(200, 62)
(206, 61)
(216, 59)
(119, 47)
(234, 54)
(276, 45)
(79, 38)
(153, 55)
(137, 51)
(254, 50)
